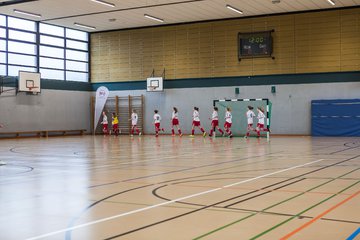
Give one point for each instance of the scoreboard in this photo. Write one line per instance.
(255, 44)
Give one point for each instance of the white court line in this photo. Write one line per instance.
(168, 202)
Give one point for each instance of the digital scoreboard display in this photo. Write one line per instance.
(255, 44)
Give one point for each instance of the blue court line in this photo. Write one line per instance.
(354, 234)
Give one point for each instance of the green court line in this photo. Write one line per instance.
(274, 205)
(313, 206)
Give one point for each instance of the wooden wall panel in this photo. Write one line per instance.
(326, 41)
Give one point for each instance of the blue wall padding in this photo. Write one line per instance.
(339, 117)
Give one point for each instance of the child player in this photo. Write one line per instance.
(196, 122)
(228, 122)
(175, 122)
(250, 120)
(261, 122)
(115, 124)
(134, 119)
(215, 123)
(157, 120)
(105, 123)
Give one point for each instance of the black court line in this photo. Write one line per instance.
(68, 234)
(301, 175)
(206, 206)
(292, 215)
(30, 169)
(154, 192)
(349, 147)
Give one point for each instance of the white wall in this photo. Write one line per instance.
(291, 103)
(50, 110)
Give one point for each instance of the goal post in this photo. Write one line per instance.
(238, 111)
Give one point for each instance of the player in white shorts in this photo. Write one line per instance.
(250, 121)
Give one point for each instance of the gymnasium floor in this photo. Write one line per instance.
(173, 188)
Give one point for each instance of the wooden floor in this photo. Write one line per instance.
(171, 188)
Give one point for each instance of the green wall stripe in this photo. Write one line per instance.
(53, 84)
(305, 78)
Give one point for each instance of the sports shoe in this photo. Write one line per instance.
(231, 136)
(173, 135)
(223, 135)
(156, 135)
(180, 135)
(204, 134)
(245, 136)
(140, 133)
(2, 163)
(131, 135)
(191, 136)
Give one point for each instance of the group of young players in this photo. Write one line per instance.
(175, 123)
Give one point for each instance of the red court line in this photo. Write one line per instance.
(319, 216)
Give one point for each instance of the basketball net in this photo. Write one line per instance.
(31, 89)
(152, 88)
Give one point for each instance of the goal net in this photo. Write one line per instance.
(239, 107)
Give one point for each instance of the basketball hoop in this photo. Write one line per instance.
(152, 88)
(32, 90)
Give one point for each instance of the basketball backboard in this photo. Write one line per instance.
(155, 84)
(29, 82)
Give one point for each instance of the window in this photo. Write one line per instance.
(76, 55)
(77, 45)
(76, 66)
(3, 70)
(52, 41)
(51, 63)
(23, 36)
(22, 47)
(51, 52)
(21, 24)
(2, 20)
(2, 33)
(76, 76)
(20, 59)
(51, 30)
(2, 57)
(76, 34)
(61, 53)
(2, 45)
(14, 70)
(52, 74)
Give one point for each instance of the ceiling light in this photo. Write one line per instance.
(104, 3)
(84, 26)
(153, 18)
(234, 9)
(27, 13)
(331, 2)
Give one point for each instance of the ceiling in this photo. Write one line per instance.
(130, 13)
